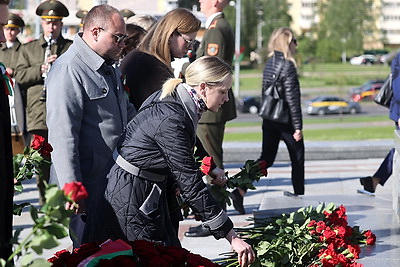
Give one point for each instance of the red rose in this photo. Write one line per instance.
(207, 165)
(37, 142)
(262, 164)
(40, 144)
(46, 150)
(76, 191)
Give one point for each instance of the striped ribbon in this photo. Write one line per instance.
(7, 80)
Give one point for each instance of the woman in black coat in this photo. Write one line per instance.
(158, 143)
(281, 64)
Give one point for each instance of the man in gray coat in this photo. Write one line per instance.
(87, 107)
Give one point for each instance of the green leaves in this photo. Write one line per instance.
(17, 208)
(50, 224)
(250, 172)
(27, 165)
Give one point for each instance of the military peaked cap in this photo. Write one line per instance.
(127, 13)
(14, 21)
(52, 10)
(81, 14)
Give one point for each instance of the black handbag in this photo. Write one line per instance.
(274, 107)
(385, 94)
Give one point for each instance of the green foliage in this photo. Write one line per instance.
(25, 165)
(328, 134)
(50, 224)
(275, 15)
(285, 240)
(250, 172)
(341, 29)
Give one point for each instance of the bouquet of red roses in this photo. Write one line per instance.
(251, 171)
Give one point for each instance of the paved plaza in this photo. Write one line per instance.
(326, 181)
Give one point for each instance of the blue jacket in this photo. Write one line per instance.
(394, 113)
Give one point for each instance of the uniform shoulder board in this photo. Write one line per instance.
(213, 24)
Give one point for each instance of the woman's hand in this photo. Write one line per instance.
(218, 176)
(246, 255)
(298, 135)
(78, 207)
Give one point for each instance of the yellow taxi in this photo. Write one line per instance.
(323, 105)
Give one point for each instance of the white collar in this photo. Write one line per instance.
(211, 18)
(9, 44)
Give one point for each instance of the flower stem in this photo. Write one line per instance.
(19, 248)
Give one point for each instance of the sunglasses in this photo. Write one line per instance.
(189, 43)
(118, 38)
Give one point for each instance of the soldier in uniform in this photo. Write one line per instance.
(218, 41)
(34, 63)
(9, 52)
(81, 14)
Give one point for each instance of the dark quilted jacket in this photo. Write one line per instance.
(159, 139)
(288, 85)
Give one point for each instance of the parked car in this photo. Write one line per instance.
(323, 105)
(249, 104)
(366, 91)
(366, 59)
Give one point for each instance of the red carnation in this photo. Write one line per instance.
(207, 165)
(76, 190)
(371, 238)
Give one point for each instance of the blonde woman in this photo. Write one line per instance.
(282, 66)
(147, 68)
(158, 143)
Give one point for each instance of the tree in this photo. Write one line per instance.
(343, 27)
(275, 15)
(272, 13)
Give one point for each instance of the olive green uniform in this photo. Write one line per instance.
(218, 41)
(28, 75)
(9, 56)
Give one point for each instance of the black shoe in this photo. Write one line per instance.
(198, 231)
(237, 200)
(368, 184)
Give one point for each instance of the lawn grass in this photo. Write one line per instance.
(316, 120)
(336, 134)
(321, 75)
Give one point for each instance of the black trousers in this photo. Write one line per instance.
(273, 132)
